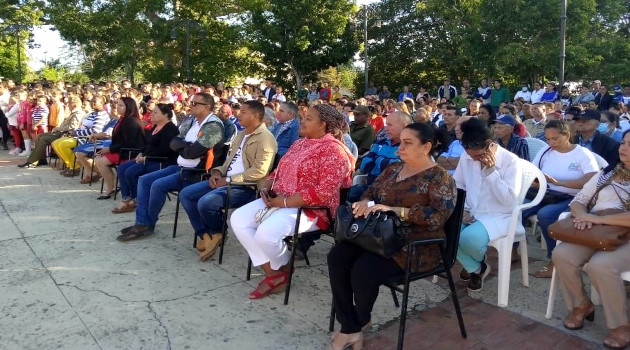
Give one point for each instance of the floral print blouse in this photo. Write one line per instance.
(431, 197)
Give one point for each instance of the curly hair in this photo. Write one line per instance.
(333, 118)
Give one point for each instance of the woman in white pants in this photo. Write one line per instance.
(311, 173)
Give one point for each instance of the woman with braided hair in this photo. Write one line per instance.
(609, 189)
(311, 173)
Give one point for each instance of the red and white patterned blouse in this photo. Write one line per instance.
(316, 169)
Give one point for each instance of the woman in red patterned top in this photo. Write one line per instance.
(311, 173)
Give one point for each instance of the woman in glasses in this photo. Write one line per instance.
(491, 177)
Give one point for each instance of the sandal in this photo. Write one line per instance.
(619, 338)
(278, 287)
(575, 320)
(545, 272)
(128, 207)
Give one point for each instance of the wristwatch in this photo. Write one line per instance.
(228, 179)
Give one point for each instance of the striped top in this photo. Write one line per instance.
(40, 115)
(93, 123)
(382, 153)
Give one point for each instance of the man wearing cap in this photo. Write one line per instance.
(503, 128)
(587, 136)
(361, 131)
(536, 124)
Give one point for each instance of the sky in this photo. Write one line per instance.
(51, 44)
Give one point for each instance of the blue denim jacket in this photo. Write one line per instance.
(286, 134)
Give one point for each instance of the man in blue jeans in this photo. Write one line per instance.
(196, 138)
(249, 160)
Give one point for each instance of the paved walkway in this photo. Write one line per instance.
(66, 283)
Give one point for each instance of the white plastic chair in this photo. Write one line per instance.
(554, 280)
(359, 180)
(503, 245)
(534, 145)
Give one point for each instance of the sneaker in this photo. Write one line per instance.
(15, 151)
(464, 275)
(476, 279)
(25, 154)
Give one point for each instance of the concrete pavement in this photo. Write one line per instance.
(66, 283)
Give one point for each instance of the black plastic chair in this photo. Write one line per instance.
(202, 172)
(293, 240)
(115, 167)
(448, 250)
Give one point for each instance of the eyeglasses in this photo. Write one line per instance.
(194, 103)
(476, 145)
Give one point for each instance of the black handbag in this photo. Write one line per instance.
(380, 233)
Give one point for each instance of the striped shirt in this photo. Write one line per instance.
(516, 145)
(382, 153)
(40, 115)
(93, 123)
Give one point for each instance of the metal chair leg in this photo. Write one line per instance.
(395, 297)
(331, 325)
(176, 216)
(291, 262)
(249, 269)
(403, 316)
(226, 210)
(116, 185)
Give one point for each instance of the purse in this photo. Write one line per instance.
(380, 233)
(599, 237)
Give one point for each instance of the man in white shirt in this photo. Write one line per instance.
(250, 160)
(492, 178)
(536, 95)
(524, 94)
(197, 137)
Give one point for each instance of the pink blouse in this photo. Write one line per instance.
(316, 169)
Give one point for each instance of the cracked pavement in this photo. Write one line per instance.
(66, 283)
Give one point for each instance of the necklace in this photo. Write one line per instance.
(401, 177)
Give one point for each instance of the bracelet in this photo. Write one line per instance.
(285, 202)
(402, 213)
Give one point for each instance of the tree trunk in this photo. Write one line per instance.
(297, 75)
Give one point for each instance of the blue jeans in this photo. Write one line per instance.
(128, 174)
(547, 215)
(473, 244)
(152, 190)
(203, 205)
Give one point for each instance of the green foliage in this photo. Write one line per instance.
(300, 38)
(133, 38)
(343, 76)
(26, 14)
(514, 40)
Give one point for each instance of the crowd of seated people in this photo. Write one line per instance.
(414, 154)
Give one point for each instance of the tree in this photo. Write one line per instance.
(134, 38)
(300, 38)
(25, 14)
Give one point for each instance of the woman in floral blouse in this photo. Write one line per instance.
(423, 194)
(311, 173)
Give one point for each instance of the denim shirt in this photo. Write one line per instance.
(286, 133)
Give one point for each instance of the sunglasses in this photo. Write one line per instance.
(476, 145)
(194, 103)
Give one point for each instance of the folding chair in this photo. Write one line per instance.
(448, 250)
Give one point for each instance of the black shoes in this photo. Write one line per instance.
(133, 232)
(475, 283)
(464, 275)
(27, 165)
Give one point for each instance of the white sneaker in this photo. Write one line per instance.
(15, 151)
(25, 154)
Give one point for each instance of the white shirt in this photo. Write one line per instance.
(236, 165)
(4, 101)
(12, 114)
(526, 95)
(624, 125)
(537, 95)
(191, 136)
(491, 198)
(607, 198)
(569, 166)
(279, 97)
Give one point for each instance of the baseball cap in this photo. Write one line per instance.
(617, 88)
(588, 114)
(506, 119)
(362, 110)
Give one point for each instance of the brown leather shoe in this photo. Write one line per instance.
(545, 272)
(575, 320)
(619, 338)
(211, 243)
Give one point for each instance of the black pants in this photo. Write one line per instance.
(355, 277)
(4, 125)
